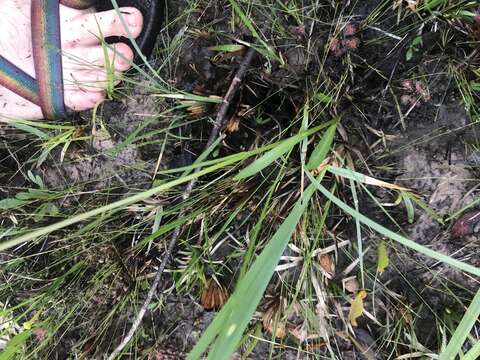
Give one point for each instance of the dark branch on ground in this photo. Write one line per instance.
(220, 121)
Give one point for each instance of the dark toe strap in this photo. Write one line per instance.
(79, 4)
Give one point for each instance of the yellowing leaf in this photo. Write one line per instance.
(27, 325)
(227, 47)
(383, 261)
(356, 309)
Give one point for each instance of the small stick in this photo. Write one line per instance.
(220, 122)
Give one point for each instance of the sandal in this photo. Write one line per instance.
(47, 90)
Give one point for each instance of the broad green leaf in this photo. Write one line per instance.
(6, 204)
(27, 325)
(409, 54)
(271, 156)
(409, 207)
(463, 330)
(322, 148)
(474, 85)
(30, 129)
(383, 260)
(324, 98)
(227, 47)
(15, 345)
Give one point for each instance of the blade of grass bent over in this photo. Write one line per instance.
(322, 148)
(392, 235)
(216, 165)
(268, 158)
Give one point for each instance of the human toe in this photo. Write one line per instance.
(118, 56)
(92, 80)
(79, 100)
(90, 28)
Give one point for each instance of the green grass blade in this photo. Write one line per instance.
(248, 257)
(463, 329)
(211, 333)
(227, 47)
(473, 353)
(270, 52)
(205, 154)
(31, 130)
(392, 235)
(110, 207)
(271, 156)
(239, 309)
(255, 282)
(322, 148)
(15, 345)
(241, 155)
(192, 97)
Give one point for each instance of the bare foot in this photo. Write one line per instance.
(85, 67)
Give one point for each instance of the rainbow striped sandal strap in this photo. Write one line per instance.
(47, 57)
(47, 53)
(18, 81)
(47, 90)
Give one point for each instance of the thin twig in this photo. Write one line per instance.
(220, 122)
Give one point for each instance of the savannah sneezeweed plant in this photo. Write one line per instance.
(224, 333)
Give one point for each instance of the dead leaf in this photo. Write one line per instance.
(273, 319)
(351, 284)
(214, 295)
(300, 333)
(327, 263)
(233, 125)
